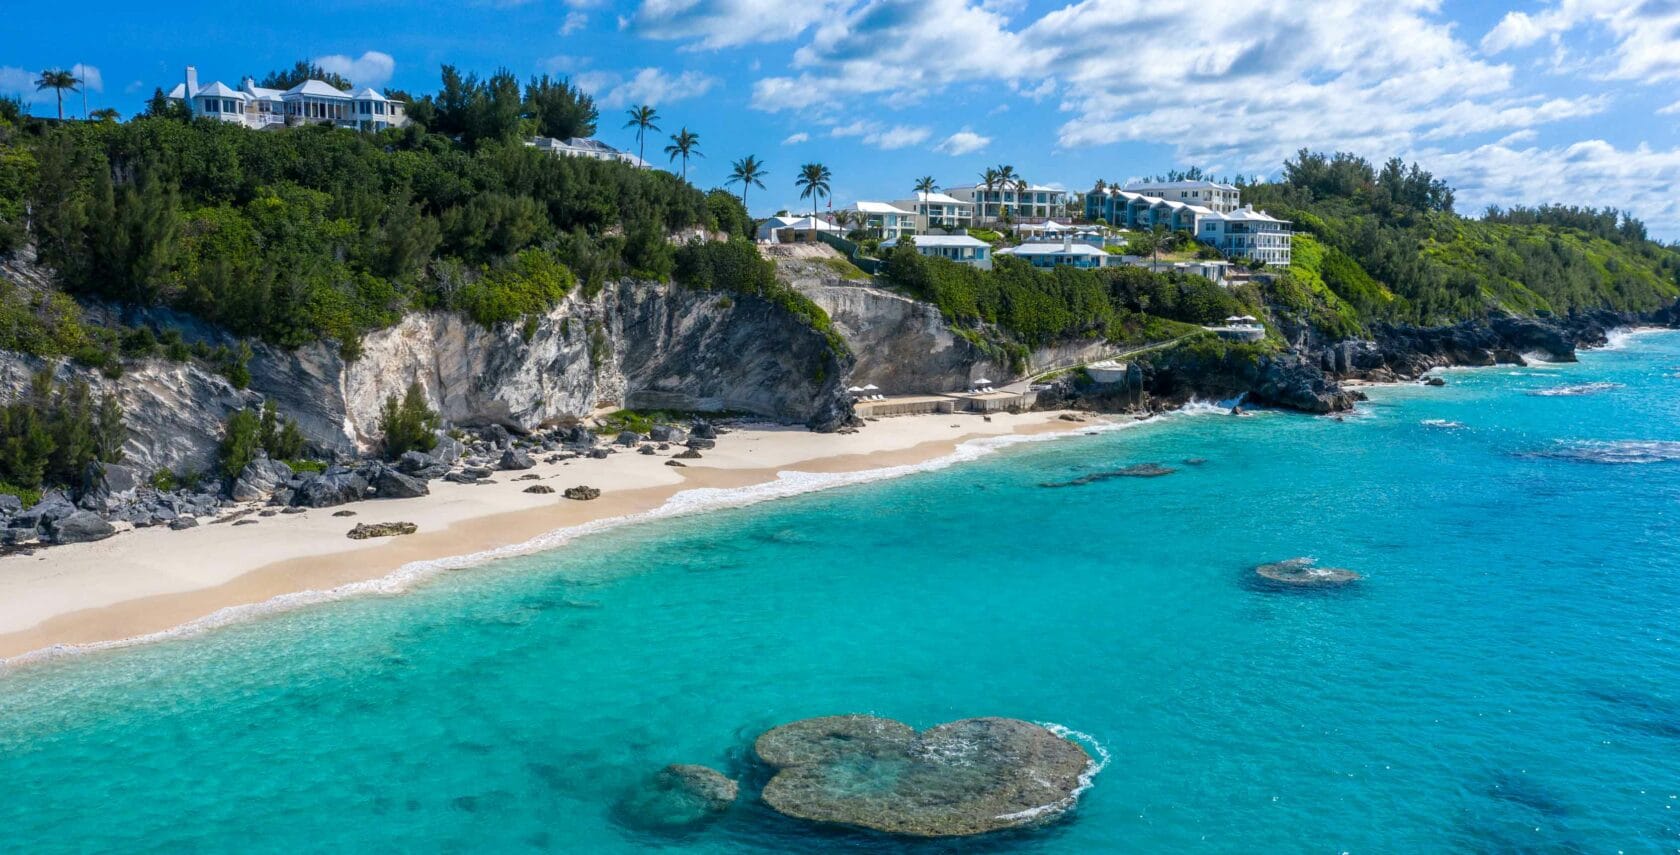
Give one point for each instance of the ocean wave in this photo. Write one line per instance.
(1621, 337)
(788, 483)
(1445, 424)
(1099, 761)
(1576, 390)
(1622, 452)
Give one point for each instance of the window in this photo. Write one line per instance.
(227, 107)
(211, 105)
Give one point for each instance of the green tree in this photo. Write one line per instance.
(747, 172)
(684, 144)
(58, 80)
(926, 184)
(105, 114)
(642, 118)
(300, 71)
(241, 440)
(280, 437)
(407, 424)
(560, 109)
(813, 184)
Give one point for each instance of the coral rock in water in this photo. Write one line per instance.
(962, 778)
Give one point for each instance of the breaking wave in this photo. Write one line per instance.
(1621, 453)
(1575, 390)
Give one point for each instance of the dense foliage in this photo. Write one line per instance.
(407, 424)
(51, 432)
(1384, 245)
(247, 433)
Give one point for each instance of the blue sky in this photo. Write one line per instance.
(1542, 100)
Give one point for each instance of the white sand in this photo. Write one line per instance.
(148, 581)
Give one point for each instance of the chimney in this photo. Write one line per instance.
(1067, 243)
(249, 84)
(192, 81)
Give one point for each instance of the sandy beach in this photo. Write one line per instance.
(142, 584)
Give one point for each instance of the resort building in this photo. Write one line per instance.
(1125, 209)
(786, 229)
(1034, 203)
(1247, 233)
(1062, 253)
(882, 219)
(1050, 230)
(959, 248)
(939, 211)
(1223, 198)
(584, 147)
(315, 101)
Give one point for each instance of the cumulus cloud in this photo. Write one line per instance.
(964, 141)
(796, 139)
(1646, 35)
(91, 79)
(1640, 179)
(1670, 110)
(648, 86)
(726, 23)
(574, 21)
(875, 134)
(372, 68)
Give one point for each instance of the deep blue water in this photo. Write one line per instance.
(1505, 677)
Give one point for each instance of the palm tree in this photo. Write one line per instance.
(105, 114)
(642, 118)
(684, 144)
(813, 183)
(842, 218)
(989, 180)
(58, 80)
(926, 184)
(747, 172)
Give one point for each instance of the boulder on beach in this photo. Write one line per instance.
(515, 458)
(582, 493)
(363, 531)
(541, 489)
(962, 778)
(1305, 573)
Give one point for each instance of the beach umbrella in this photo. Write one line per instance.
(871, 388)
(982, 382)
(855, 389)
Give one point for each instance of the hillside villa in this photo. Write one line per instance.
(315, 101)
(790, 229)
(939, 211)
(1035, 203)
(1213, 195)
(584, 147)
(882, 219)
(1247, 233)
(959, 248)
(1211, 211)
(1061, 253)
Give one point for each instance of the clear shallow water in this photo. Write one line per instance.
(1504, 679)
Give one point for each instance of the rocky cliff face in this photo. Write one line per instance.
(904, 345)
(637, 344)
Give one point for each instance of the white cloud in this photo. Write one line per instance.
(796, 139)
(888, 138)
(574, 21)
(562, 63)
(91, 79)
(1670, 110)
(648, 86)
(1646, 35)
(727, 23)
(964, 141)
(372, 68)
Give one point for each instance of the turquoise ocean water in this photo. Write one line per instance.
(1506, 677)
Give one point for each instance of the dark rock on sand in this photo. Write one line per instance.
(331, 488)
(363, 531)
(390, 484)
(180, 523)
(1304, 573)
(539, 489)
(690, 454)
(675, 462)
(344, 513)
(79, 527)
(582, 493)
(515, 458)
(962, 778)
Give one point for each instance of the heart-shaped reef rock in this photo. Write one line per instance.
(966, 777)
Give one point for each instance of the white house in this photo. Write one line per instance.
(584, 147)
(787, 229)
(959, 248)
(258, 107)
(1223, 198)
(1034, 203)
(1063, 253)
(1247, 233)
(882, 219)
(939, 211)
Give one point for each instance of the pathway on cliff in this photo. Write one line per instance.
(1025, 384)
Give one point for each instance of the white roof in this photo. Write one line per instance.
(317, 88)
(941, 240)
(219, 90)
(801, 224)
(880, 208)
(369, 94)
(1178, 185)
(939, 199)
(1031, 188)
(1052, 249)
(1248, 215)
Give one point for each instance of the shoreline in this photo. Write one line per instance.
(127, 590)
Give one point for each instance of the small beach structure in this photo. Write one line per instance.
(1240, 328)
(1106, 371)
(980, 400)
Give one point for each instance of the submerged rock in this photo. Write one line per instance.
(679, 795)
(363, 531)
(1304, 573)
(1141, 470)
(966, 777)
